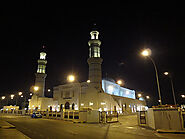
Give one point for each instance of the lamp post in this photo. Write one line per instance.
(147, 53)
(19, 94)
(139, 95)
(71, 79)
(3, 97)
(169, 75)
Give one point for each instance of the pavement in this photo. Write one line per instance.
(8, 131)
(126, 128)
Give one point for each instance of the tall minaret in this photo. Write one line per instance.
(94, 60)
(41, 75)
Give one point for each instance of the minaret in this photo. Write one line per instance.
(41, 75)
(94, 60)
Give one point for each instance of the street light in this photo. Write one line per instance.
(183, 96)
(71, 78)
(147, 53)
(147, 97)
(3, 97)
(49, 90)
(167, 74)
(119, 82)
(12, 96)
(36, 88)
(20, 93)
(139, 95)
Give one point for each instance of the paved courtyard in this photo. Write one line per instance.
(126, 128)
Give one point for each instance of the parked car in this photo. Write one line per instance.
(36, 115)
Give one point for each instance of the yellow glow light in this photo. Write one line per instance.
(183, 96)
(103, 103)
(49, 90)
(119, 82)
(147, 97)
(139, 95)
(36, 88)
(90, 103)
(20, 93)
(12, 96)
(30, 94)
(88, 81)
(3, 97)
(146, 52)
(71, 78)
(166, 73)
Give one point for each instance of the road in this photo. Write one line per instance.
(59, 129)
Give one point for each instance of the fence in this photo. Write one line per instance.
(17, 112)
(108, 116)
(104, 116)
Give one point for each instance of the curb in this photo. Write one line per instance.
(7, 127)
(79, 122)
(171, 131)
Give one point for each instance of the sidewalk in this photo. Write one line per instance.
(8, 131)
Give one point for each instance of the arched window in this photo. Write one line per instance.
(61, 107)
(73, 106)
(67, 105)
(50, 108)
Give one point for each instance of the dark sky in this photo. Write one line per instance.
(125, 29)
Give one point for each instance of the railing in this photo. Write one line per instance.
(108, 116)
(104, 116)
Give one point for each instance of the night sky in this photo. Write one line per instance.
(125, 30)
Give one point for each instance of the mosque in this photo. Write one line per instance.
(96, 94)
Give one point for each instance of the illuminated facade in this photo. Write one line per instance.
(115, 89)
(38, 101)
(95, 94)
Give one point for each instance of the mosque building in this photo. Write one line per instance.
(96, 94)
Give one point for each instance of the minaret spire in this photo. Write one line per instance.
(41, 74)
(94, 60)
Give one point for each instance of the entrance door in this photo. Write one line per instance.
(67, 105)
(114, 108)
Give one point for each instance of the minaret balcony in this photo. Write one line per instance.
(94, 42)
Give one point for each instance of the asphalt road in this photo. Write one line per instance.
(59, 129)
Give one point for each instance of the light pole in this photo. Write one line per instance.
(3, 97)
(147, 53)
(169, 75)
(71, 79)
(19, 94)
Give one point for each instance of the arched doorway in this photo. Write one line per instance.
(67, 105)
(114, 108)
(50, 108)
(73, 106)
(61, 107)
